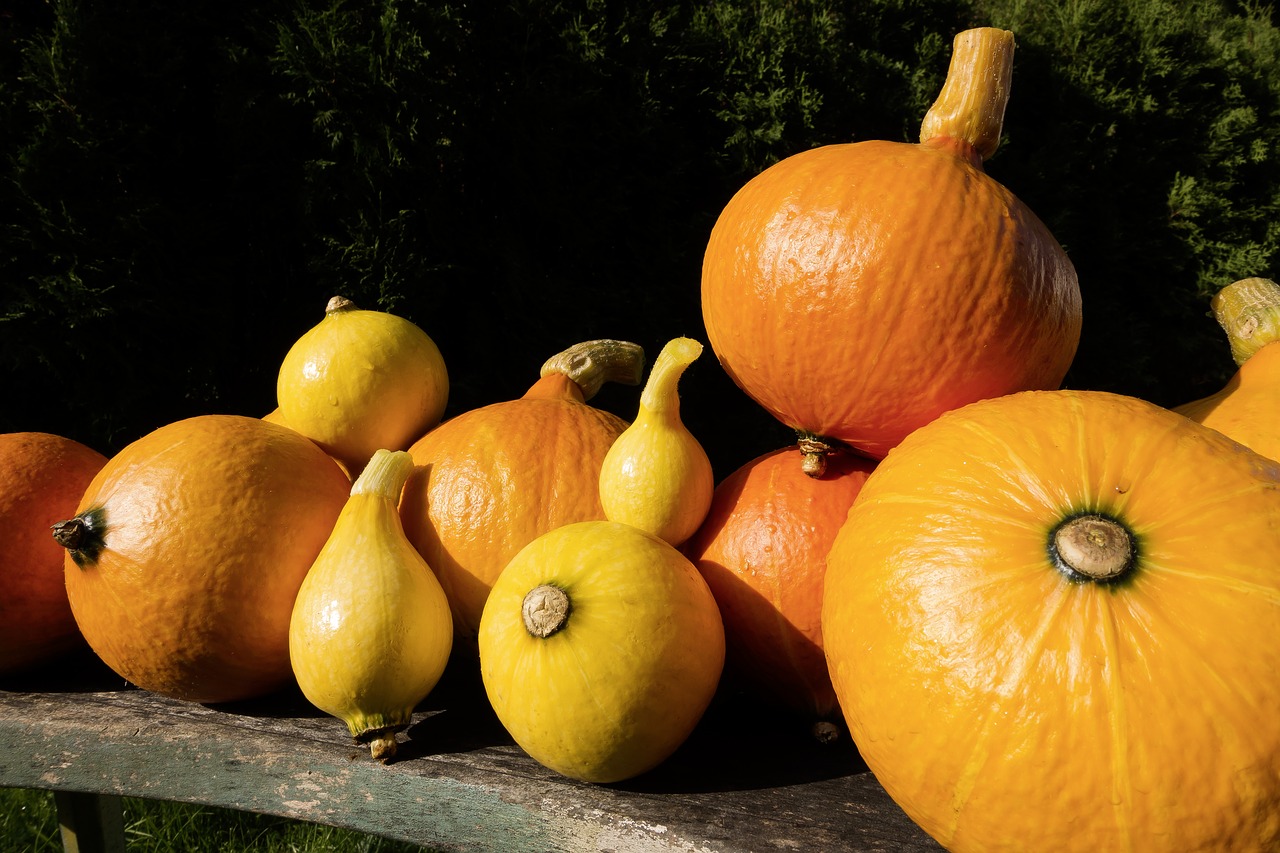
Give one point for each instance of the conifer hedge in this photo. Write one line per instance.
(187, 183)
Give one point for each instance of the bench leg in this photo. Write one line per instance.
(90, 823)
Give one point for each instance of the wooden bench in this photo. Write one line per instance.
(747, 780)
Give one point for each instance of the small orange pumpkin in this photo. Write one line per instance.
(491, 480)
(42, 477)
(1051, 621)
(188, 548)
(763, 550)
(1247, 408)
(857, 291)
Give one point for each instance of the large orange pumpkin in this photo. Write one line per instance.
(763, 551)
(491, 480)
(42, 477)
(857, 291)
(1051, 621)
(187, 551)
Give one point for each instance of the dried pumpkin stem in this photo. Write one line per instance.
(590, 364)
(1094, 547)
(338, 304)
(1249, 312)
(972, 102)
(545, 610)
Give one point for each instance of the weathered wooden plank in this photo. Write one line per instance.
(745, 781)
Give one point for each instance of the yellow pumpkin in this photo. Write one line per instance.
(1051, 622)
(1247, 408)
(600, 648)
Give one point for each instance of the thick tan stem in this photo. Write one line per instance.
(1094, 547)
(590, 364)
(1249, 312)
(545, 610)
(972, 102)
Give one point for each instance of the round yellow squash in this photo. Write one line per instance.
(1051, 622)
(600, 648)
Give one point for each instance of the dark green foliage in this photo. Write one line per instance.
(185, 186)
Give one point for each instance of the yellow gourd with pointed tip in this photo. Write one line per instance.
(371, 630)
(656, 476)
(362, 380)
(1247, 408)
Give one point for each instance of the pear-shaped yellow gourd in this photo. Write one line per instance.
(360, 380)
(1247, 408)
(656, 476)
(371, 630)
(600, 648)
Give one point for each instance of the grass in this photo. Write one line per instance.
(29, 824)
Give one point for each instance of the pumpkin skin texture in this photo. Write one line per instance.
(857, 291)
(42, 477)
(763, 551)
(613, 689)
(1007, 702)
(489, 481)
(188, 549)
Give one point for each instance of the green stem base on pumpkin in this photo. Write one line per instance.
(1249, 312)
(1093, 547)
(84, 536)
(378, 731)
(590, 364)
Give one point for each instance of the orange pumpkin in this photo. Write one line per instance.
(41, 479)
(187, 551)
(1247, 408)
(857, 291)
(1051, 621)
(763, 550)
(491, 480)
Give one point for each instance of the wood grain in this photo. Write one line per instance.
(748, 779)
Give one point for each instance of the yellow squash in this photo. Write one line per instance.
(359, 381)
(371, 630)
(1247, 408)
(656, 476)
(1051, 622)
(600, 648)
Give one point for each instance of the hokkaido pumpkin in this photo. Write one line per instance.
(42, 477)
(188, 548)
(600, 649)
(856, 291)
(763, 549)
(1051, 622)
(489, 481)
(360, 381)
(1247, 408)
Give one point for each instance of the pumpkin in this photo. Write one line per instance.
(188, 548)
(370, 632)
(42, 477)
(856, 291)
(1051, 623)
(490, 480)
(1247, 408)
(600, 649)
(762, 549)
(360, 381)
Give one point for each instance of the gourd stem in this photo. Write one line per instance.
(1093, 547)
(590, 364)
(545, 610)
(383, 746)
(338, 304)
(974, 95)
(385, 475)
(661, 393)
(1249, 312)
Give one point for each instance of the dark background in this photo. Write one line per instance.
(186, 184)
